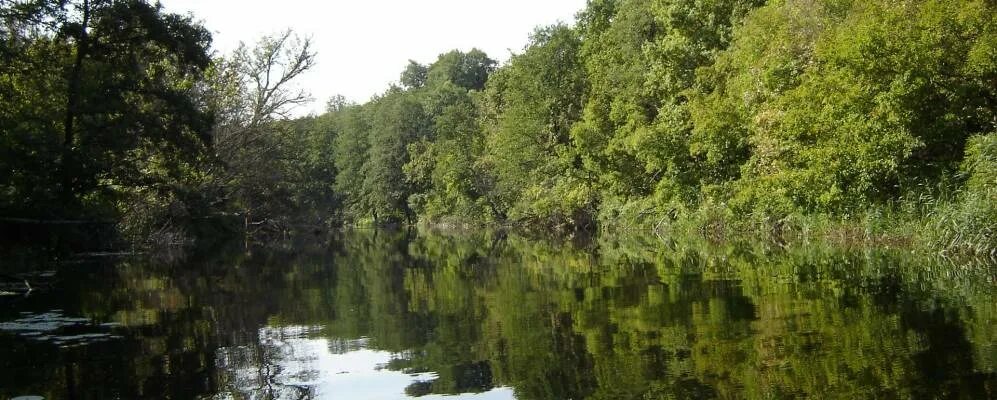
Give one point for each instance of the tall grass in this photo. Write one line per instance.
(958, 223)
(969, 224)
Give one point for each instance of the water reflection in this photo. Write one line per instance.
(380, 315)
(293, 363)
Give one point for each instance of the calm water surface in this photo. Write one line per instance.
(379, 315)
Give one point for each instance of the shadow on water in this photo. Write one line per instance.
(377, 314)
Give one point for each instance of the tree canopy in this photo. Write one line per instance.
(638, 112)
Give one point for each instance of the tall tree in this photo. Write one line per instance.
(530, 107)
(443, 171)
(397, 120)
(352, 130)
(251, 92)
(120, 74)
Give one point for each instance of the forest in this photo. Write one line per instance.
(852, 121)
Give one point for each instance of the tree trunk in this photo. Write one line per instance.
(72, 106)
(76, 75)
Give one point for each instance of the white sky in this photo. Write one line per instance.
(363, 45)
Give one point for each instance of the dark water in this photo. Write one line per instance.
(483, 316)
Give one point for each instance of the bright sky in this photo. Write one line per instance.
(363, 45)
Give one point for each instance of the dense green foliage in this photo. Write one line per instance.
(641, 113)
(648, 111)
(413, 150)
(96, 102)
(115, 110)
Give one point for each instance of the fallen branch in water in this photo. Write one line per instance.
(27, 285)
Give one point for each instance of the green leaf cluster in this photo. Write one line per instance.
(644, 110)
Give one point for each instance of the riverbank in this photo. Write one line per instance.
(963, 230)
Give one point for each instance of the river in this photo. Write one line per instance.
(485, 315)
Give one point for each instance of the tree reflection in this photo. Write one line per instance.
(470, 313)
(269, 368)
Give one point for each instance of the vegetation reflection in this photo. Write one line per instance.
(613, 318)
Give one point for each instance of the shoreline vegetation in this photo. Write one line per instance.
(853, 123)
